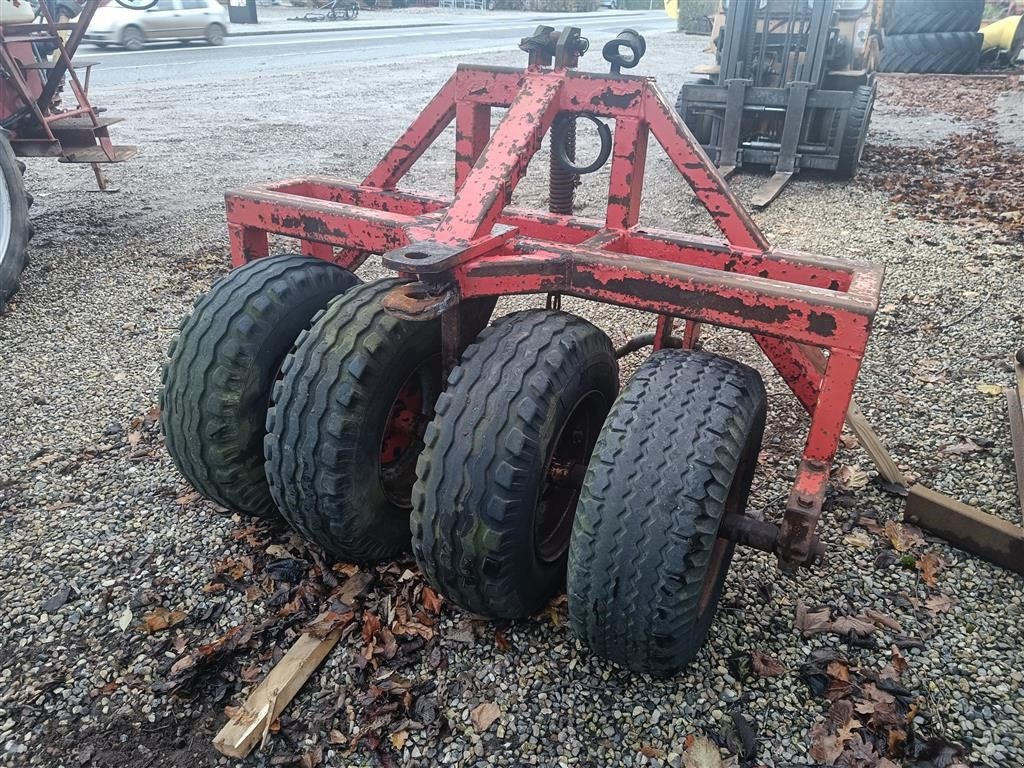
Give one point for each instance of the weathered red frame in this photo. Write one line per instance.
(474, 245)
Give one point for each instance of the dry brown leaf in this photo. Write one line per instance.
(188, 498)
(313, 758)
(845, 732)
(765, 665)
(702, 753)
(882, 618)
(939, 603)
(398, 739)
(851, 478)
(857, 625)
(825, 748)
(336, 737)
(430, 599)
(929, 564)
(990, 389)
(160, 619)
(810, 622)
(650, 751)
(902, 537)
(42, 461)
(484, 715)
(898, 660)
(959, 449)
(327, 622)
(371, 623)
(859, 539)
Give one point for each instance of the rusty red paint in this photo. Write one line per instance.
(473, 245)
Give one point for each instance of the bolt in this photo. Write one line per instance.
(804, 501)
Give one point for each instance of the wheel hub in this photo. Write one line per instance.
(6, 217)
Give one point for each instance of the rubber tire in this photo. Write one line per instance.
(15, 257)
(480, 476)
(134, 42)
(652, 502)
(956, 53)
(221, 368)
(327, 421)
(700, 126)
(214, 34)
(858, 119)
(905, 17)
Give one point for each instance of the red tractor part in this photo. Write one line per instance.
(508, 455)
(473, 245)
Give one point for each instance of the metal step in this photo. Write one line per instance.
(82, 125)
(97, 155)
(78, 64)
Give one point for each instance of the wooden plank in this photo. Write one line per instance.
(968, 528)
(871, 443)
(1014, 405)
(247, 728)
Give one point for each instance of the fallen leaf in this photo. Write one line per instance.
(313, 758)
(430, 599)
(189, 498)
(990, 389)
(810, 622)
(484, 715)
(160, 619)
(856, 625)
(902, 537)
(649, 751)
(398, 739)
(825, 748)
(125, 620)
(939, 603)
(845, 732)
(929, 564)
(898, 661)
(959, 449)
(371, 623)
(327, 622)
(765, 665)
(851, 478)
(336, 737)
(883, 619)
(859, 539)
(134, 437)
(702, 753)
(42, 461)
(501, 641)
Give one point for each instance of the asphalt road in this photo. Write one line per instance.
(308, 51)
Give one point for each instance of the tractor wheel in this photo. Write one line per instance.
(700, 125)
(854, 137)
(347, 420)
(676, 455)
(15, 229)
(956, 53)
(498, 482)
(221, 368)
(906, 17)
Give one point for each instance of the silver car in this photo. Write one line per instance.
(114, 24)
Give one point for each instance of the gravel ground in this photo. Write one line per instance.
(90, 503)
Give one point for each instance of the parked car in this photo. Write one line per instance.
(167, 20)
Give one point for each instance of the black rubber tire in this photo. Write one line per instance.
(482, 478)
(133, 38)
(221, 368)
(327, 423)
(956, 53)
(858, 119)
(677, 451)
(906, 17)
(15, 255)
(700, 125)
(215, 34)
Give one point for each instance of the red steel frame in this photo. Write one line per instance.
(474, 245)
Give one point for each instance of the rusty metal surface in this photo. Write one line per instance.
(474, 246)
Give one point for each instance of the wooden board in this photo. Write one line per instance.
(247, 729)
(1014, 400)
(968, 528)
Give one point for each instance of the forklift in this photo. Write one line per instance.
(792, 88)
